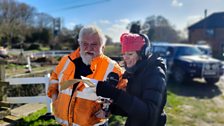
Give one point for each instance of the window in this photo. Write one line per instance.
(210, 32)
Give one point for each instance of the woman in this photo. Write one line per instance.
(145, 96)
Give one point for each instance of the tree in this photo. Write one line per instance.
(135, 27)
(43, 20)
(161, 30)
(76, 31)
(108, 40)
(15, 18)
(66, 39)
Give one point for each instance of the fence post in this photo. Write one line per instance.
(4, 111)
(48, 100)
(28, 66)
(3, 84)
(2, 70)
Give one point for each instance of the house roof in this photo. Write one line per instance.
(216, 20)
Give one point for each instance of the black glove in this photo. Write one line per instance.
(107, 90)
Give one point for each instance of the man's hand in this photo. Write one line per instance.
(102, 114)
(54, 97)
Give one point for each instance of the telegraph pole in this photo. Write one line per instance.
(56, 26)
(56, 31)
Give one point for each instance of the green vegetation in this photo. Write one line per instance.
(45, 48)
(116, 120)
(13, 69)
(35, 120)
(113, 50)
(193, 111)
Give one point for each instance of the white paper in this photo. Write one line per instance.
(88, 93)
(89, 82)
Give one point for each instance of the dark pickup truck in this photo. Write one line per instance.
(185, 62)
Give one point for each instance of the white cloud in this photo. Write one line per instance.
(113, 29)
(104, 22)
(176, 3)
(70, 25)
(124, 21)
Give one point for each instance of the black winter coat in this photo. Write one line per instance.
(145, 96)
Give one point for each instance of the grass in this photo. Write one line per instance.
(112, 50)
(183, 110)
(116, 120)
(13, 69)
(35, 120)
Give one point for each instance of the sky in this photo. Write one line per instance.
(113, 16)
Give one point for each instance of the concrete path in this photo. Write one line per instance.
(19, 112)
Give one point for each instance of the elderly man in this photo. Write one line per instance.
(69, 105)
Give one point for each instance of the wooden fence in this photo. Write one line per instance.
(31, 99)
(52, 53)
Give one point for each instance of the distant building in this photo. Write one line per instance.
(211, 30)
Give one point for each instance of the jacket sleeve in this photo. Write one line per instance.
(53, 87)
(117, 110)
(148, 106)
(54, 81)
(122, 82)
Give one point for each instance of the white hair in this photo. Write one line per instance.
(91, 30)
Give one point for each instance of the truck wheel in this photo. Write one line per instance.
(211, 80)
(178, 75)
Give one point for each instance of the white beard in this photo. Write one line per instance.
(86, 59)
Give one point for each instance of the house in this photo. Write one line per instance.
(211, 30)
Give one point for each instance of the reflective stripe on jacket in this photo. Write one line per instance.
(68, 107)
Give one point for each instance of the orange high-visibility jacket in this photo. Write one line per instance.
(71, 109)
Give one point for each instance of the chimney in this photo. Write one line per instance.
(205, 12)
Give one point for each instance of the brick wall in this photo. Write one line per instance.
(214, 37)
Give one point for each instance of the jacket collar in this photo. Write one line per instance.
(140, 64)
(75, 54)
(95, 61)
